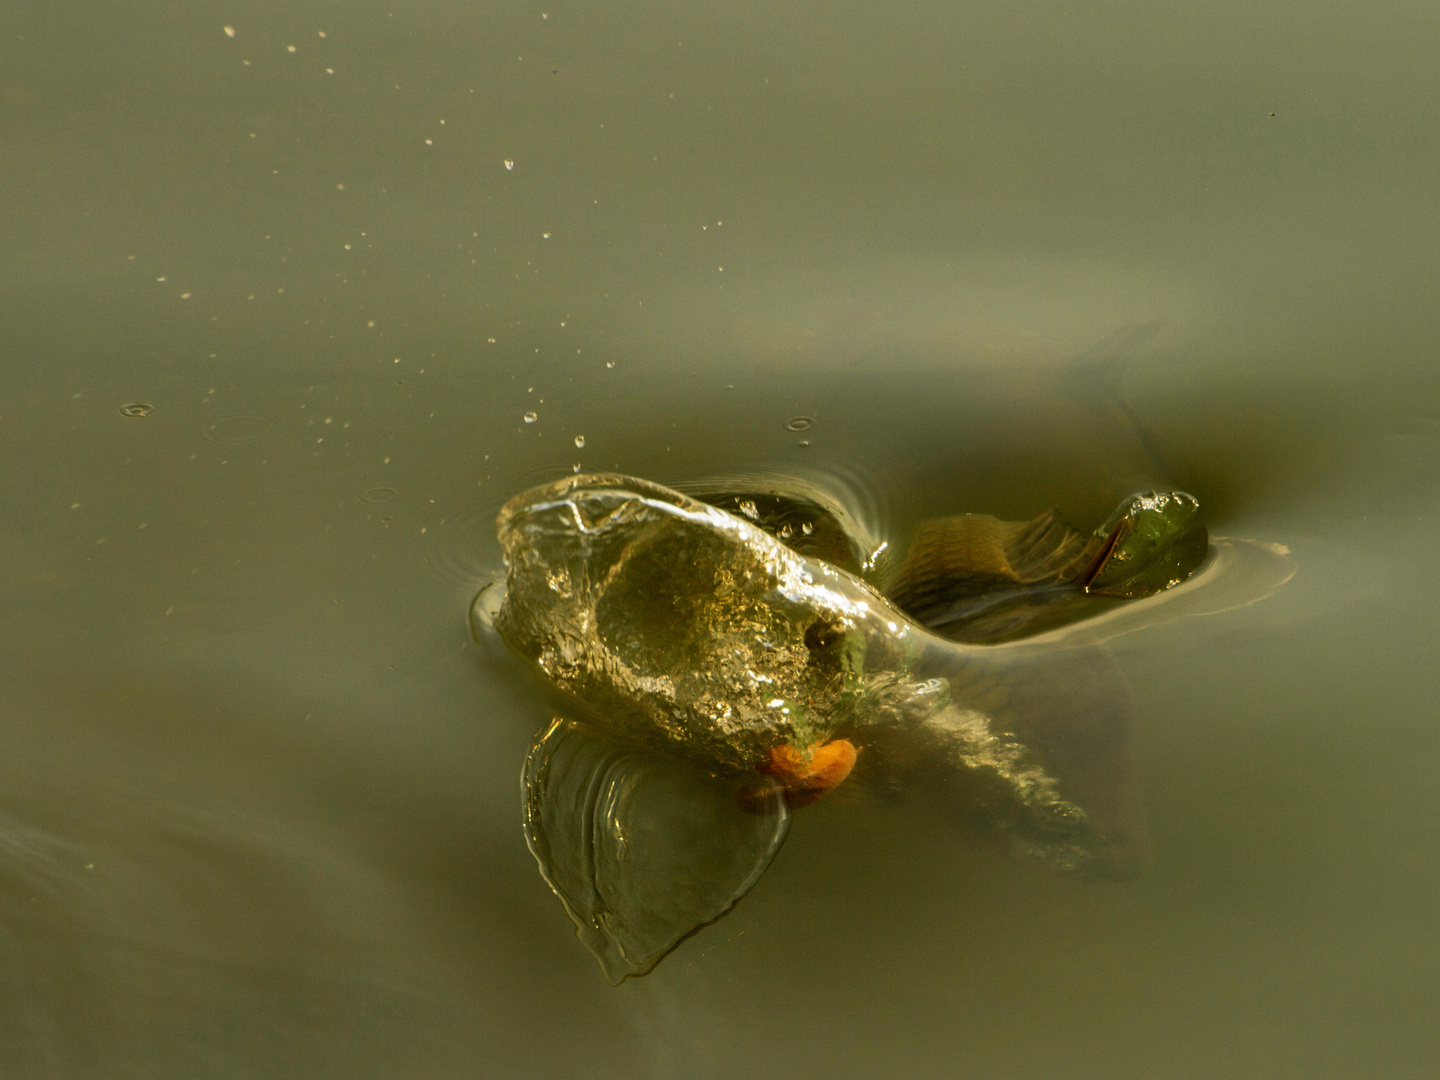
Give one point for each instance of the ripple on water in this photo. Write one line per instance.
(463, 547)
(239, 429)
(1237, 573)
(137, 410)
(378, 496)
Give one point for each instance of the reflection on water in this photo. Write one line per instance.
(641, 849)
(246, 696)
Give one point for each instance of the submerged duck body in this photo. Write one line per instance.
(732, 655)
(685, 628)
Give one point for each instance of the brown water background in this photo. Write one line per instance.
(259, 806)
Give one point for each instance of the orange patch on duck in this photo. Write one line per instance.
(805, 777)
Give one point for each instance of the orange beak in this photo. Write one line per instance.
(806, 778)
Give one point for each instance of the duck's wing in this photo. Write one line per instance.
(642, 850)
(976, 579)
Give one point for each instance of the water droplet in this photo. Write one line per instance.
(531, 417)
(580, 441)
(799, 423)
(136, 408)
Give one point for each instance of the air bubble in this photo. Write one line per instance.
(580, 441)
(799, 423)
(531, 417)
(136, 409)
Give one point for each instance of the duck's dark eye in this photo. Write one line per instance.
(822, 634)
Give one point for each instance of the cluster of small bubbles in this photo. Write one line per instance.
(799, 423)
(580, 441)
(531, 417)
(136, 408)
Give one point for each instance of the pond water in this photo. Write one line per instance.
(297, 295)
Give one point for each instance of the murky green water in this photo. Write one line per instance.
(259, 804)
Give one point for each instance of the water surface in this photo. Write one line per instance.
(259, 800)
